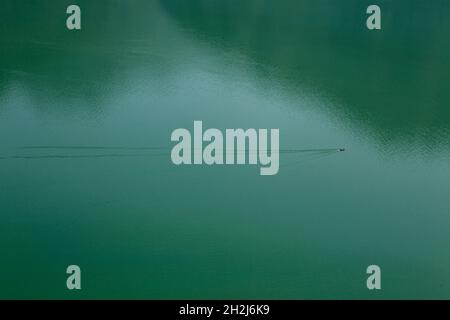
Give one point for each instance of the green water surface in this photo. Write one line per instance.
(81, 183)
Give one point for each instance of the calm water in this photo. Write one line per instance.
(79, 184)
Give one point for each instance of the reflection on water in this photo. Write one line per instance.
(393, 83)
(86, 178)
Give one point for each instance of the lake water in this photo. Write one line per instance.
(81, 183)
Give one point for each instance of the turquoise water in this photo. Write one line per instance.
(80, 112)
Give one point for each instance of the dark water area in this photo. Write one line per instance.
(86, 176)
